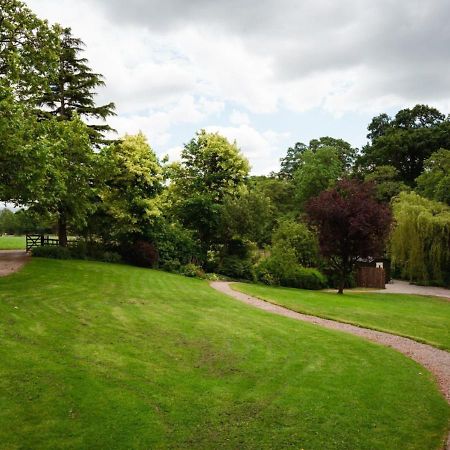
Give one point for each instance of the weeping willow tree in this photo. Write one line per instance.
(420, 241)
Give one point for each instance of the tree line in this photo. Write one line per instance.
(307, 225)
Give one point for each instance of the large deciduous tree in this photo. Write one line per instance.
(69, 164)
(211, 169)
(351, 224)
(133, 179)
(434, 182)
(28, 51)
(406, 141)
(318, 171)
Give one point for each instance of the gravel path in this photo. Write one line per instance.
(435, 360)
(12, 261)
(403, 287)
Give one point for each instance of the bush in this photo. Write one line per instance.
(234, 267)
(111, 257)
(54, 252)
(281, 268)
(305, 278)
(141, 253)
(192, 271)
(171, 265)
(300, 239)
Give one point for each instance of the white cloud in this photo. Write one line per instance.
(176, 62)
(261, 149)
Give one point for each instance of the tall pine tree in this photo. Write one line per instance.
(72, 94)
(74, 89)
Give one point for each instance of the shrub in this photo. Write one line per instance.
(171, 265)
(212, 277)
(193, 271)
(175, 244)
(54, 252)
(78, 250)
(141, 253)
(300, 239)
(281, 268)
(234, 267)
(111, 257)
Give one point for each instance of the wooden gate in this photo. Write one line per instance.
(371, 277)
(39, 240)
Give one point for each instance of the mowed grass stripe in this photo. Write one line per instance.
(425, 319)
(95, 355)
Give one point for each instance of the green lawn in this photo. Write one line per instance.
(12, 242)
(425, 319)
(101, 356)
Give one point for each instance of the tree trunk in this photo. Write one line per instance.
(342, 279)
(62, 230)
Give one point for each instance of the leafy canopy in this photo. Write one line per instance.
(351, 224)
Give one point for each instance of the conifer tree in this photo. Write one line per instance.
(73, 89)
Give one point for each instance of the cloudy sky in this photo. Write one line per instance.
(267, 73)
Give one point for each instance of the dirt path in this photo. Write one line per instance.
(12, 261)
(435, 360)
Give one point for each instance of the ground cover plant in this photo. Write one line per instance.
(97, 355)
(425, 319)
(8, 242)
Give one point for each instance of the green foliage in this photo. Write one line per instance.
(191, 270)
(298, 237)
(72, 89)
(133, 179)
(280, 191)
(434, 182)
(28, 52)
(67, 191)
(53, 252)
(346, 153)
(210, 170)
(318, 171)
(387, 182)
(176, 245)
(237, 267)
(406, 141)
(420, 242)
(294, 158)
(282, 268)
(291, 162)
(249, 215)
(210, 165)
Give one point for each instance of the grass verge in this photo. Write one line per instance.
(424, 319)
(95, 356)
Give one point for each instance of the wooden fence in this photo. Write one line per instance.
(371, 277)
(40, 240)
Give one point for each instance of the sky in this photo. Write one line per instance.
(266, 73)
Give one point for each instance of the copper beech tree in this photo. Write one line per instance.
(351, 224)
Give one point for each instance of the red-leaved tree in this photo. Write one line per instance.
(351, 224)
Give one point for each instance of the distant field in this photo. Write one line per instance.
(12, 242)
(108, 356)
(425, 319)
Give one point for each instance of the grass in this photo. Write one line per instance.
(424, 319)
(8, 242)
(96, 356)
